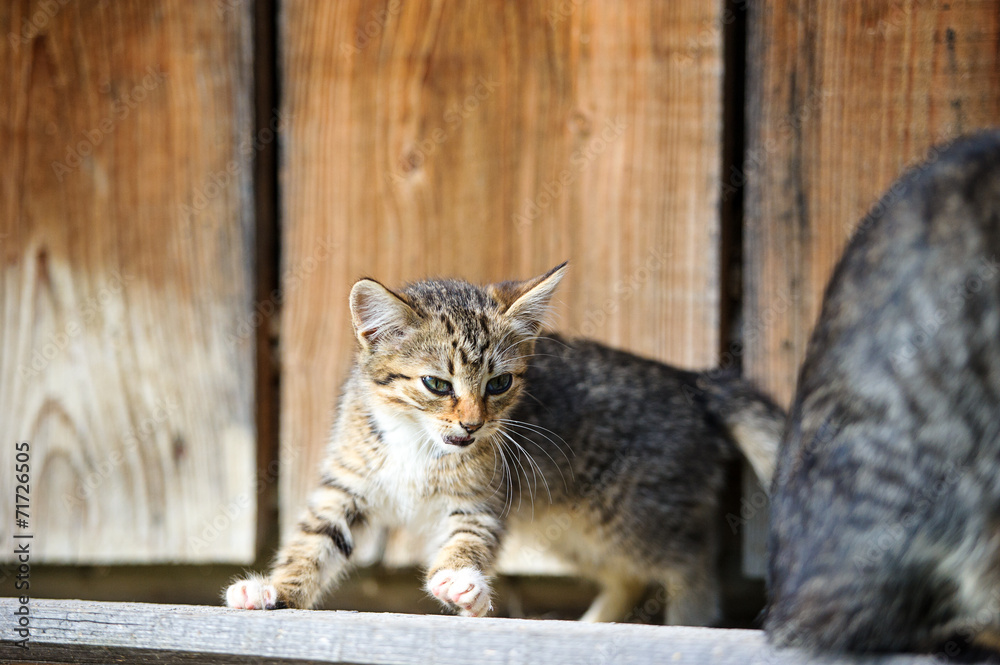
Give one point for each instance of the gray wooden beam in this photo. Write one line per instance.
(97, 632)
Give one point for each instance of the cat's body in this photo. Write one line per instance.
(639, 475)
(458, 415)
(885, 525)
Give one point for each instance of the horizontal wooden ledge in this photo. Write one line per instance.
(77, 631)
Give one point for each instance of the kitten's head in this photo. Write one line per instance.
(447, 358)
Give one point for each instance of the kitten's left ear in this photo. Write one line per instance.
(531, 298)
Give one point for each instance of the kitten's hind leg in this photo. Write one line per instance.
(692, 597)
(616, 600)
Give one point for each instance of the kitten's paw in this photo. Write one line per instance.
(252, 594)
(467, 588)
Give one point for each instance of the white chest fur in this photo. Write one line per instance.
(400, 492)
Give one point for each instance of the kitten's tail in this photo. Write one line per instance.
(753, 420)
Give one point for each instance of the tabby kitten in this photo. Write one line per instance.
(458, 413)
(885, 525)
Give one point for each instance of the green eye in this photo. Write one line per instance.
(499, 384)
(436, 385)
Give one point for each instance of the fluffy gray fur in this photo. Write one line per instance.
(636, 451)
(885, 527)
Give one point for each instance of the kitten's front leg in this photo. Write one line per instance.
(315, 556)
(458, 575)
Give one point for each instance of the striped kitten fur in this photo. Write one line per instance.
(459, 414)
(885, 524)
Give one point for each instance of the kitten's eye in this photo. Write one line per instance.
(436, 385)
(499, 384)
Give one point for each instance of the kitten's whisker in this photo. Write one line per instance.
(515, 343)
(510, 481)
(503, 339)
(507, 477)
(545, 452)
(491, 441)
(500, 356)
(536, 471)
(541, 431)
(493, 447)
(531, 463)
(528, 355)
(517, 469)
(535, 462)
(540, 403)
(533, 339)
(532, 489)
(553, 339)
(541, 474)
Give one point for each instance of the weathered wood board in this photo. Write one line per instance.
(126, 245)
(89, 632)
(841, 98)
(494, 140)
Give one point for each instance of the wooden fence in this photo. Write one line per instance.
(173, 296)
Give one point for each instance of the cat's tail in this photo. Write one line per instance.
(752, 419)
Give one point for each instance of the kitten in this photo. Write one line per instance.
(885, 524)
(459, 413)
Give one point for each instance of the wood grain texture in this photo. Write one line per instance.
(493, 140)
(90, 632)
(126, 247)
(842, 96)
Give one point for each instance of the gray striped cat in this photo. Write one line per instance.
(460, 415)
(885, 525)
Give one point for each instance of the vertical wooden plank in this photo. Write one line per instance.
(493, 140)
(126, 245)
(842, 96)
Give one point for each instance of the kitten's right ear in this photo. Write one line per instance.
(378, 313)
(528, 302)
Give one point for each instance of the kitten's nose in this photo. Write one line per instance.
(471, 427)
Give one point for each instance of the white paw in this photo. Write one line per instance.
(251, 594)
(466, 588)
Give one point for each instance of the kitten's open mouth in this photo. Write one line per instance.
(460, 441)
